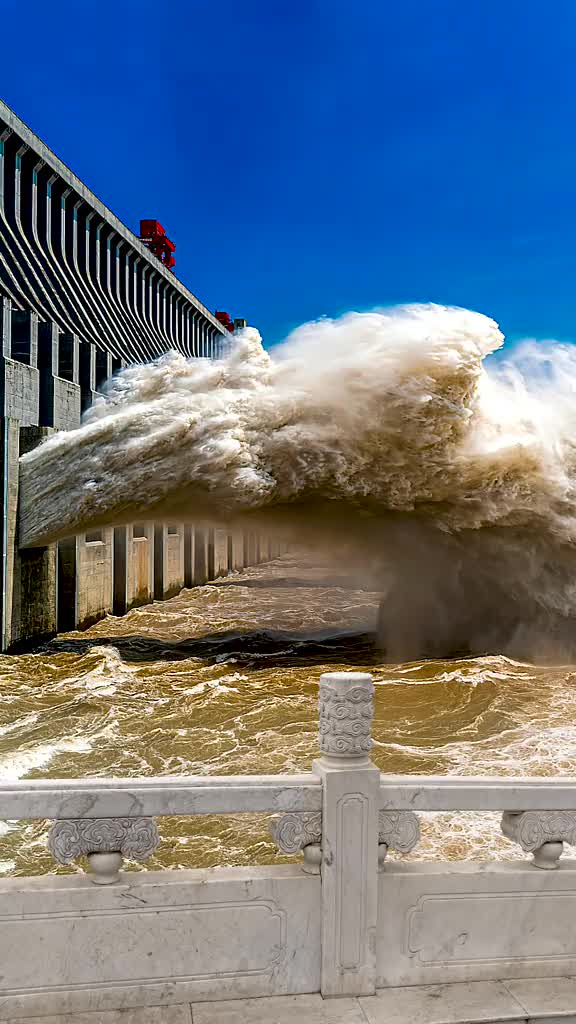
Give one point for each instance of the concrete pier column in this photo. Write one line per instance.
(87, 374)
(139, 564)
(48, 369)
(159, 559)
(6, 326)
(188, 556)
(66, 590)
(24, 341)
(174, 559)
(251, 549)
(220, 552)
(67, 391)
(237, 549)
(104, 368)
(210, 563)
(69, 357)
(19, 378)
(200, 555)
(168, 561)
(34, 604)
(94, 576)
(133, 566)
(9, 451)
(85, 579)
(120, 569)
(247, 549)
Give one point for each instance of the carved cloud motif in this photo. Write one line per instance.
(135, 838)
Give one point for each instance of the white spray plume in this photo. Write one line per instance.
(380, 436)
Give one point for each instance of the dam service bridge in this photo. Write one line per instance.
(81, 297)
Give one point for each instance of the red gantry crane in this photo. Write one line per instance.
(154, 237)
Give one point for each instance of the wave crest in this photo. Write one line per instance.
(381, 437)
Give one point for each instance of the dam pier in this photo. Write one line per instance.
(81, 297)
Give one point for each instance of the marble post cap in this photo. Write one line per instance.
(346, 707)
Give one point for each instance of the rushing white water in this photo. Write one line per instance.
(381, 437)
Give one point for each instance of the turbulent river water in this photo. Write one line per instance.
(223, 680)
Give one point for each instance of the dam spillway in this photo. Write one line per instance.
(81, 297)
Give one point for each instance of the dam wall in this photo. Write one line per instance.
(81, 297)
(73, 584)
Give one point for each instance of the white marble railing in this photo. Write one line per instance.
(366, 921)
(165, 795)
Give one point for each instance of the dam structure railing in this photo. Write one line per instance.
(80, 297)
(346, 919)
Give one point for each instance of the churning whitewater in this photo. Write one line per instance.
(380, 438)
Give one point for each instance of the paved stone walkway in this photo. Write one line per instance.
(534, 1001)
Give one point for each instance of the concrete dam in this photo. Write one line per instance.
(81, 297)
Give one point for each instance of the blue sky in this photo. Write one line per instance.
(314, 156)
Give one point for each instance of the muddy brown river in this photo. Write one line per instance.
(223, 680)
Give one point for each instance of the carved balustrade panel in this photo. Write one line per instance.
(541, 833)
(397, 830)
(105, 841)
(299, 831)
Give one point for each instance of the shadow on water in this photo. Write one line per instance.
(274, 648)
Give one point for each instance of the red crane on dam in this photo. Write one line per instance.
(154, 237)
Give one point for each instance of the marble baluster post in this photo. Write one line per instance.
(351, 787)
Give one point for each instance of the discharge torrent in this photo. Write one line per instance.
(431, 492)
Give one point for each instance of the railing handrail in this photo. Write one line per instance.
(187, 795)
(476, 793)
(160, 795)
